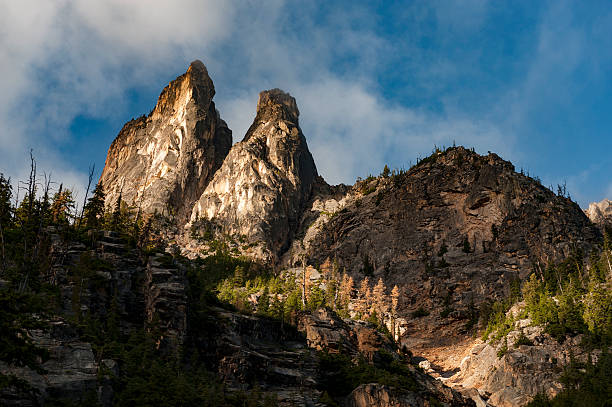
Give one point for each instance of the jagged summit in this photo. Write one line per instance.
(278, 104)
(265, 181)
(274, 104)
(193, 86)
(163, 162)
(600, 213)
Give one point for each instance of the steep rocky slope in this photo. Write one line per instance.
(264, 183)
(106, 283)
(452, 232)
(162, 162)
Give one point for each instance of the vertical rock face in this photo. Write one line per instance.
(265, 181)
(166, 300)
(163, 162)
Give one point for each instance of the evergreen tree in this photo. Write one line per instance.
(94, 209)
(379, 300)
(263, 305)
(6, 216)
(365, 296)
(62, 206)
(598, 311)
(6, 208)
(386, 171)
(394, 305)
(345, 293)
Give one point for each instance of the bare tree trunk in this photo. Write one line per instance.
(92, 168)
(303, 283)
(30, 210)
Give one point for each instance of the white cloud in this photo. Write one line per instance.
(60, 59)
(65, 58)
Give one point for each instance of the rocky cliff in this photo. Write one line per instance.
(452, 232)
(162, 162)
(262, 187)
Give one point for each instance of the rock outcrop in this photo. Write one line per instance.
(600, 213)
(453, 231)
(163, 162)
(70, 373)
(248, 351)
(165, 299)
(378, 395)
(262, 187)
(326, 331)
(512, 371)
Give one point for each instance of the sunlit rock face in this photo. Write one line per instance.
(162, 162)
(600, 213)
(264, 183)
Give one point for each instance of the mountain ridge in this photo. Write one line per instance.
(453, 234)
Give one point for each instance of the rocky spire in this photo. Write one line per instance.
(265, 181)
(162, 162)
(600, 213)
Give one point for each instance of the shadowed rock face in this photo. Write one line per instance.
(265, 181)
(163, 162)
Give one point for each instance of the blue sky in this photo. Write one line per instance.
(376, 82)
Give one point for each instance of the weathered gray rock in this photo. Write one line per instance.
(163, 162)
(600, 213)
(166, 300)
(264, 183)
(326, 331)
(378, 395)
(248, 351)
(71, 372)
(514, 378)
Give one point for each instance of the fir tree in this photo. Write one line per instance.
(62, 206)
(365, 294)
(263, 306)
(94, 209)
(394, 305)
(378, 299)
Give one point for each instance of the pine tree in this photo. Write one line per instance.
(365, 294)
(263, 305)
(6, 216)
(239, 276)
(598, 310)
(6, 208)
(379, 300)
(116, 222)
(394, 304)
(94, 209)
(346, 291)
(62, 206)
